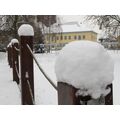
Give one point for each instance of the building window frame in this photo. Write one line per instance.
(75, 37)
(65, 37)
(69, 37)
(79, 37)
(83, 37)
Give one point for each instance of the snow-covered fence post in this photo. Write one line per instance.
(9, 53)
(66, 94)
(15, 60)
(84, 69)
(26, 34)
(109, 97)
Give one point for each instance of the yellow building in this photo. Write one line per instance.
(70, 33)
(67, 37)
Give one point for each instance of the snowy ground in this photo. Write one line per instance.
(44, 92)
(116, 83)
(9, 92)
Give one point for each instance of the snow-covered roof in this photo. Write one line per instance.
(69, 28)
(75, 28)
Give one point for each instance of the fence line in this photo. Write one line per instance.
(64, 91)
(51, 82)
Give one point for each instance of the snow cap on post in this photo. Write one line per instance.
(25, 30)
(13, 41)
(87, 66)
(9, 45)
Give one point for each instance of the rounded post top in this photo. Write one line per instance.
(85, 66)
(25, 30)
(13, 41)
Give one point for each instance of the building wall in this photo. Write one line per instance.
(71, 36)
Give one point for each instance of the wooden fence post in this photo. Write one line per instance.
(26, 70)
(66, 94)
(109, 97)
(26, 63)
(15, 62)
(9, 53)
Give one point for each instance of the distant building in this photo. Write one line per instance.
(70, 33)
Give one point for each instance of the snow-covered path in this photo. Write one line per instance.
(9, 92)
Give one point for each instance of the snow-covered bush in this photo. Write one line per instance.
(87, 66)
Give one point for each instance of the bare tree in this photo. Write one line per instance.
(10, 23)
(111, 23)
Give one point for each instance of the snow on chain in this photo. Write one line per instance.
(25, 30)
(87, 66)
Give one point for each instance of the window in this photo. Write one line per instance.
(75, 37)
(69, 37)
(79, 37)
(83, 36)
(53, 38)
(65, 37)
(57, 38)
(49, 37)
(61, 37)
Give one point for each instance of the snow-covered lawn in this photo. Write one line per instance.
(9, 92)
(44, 92)
(116, 82)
